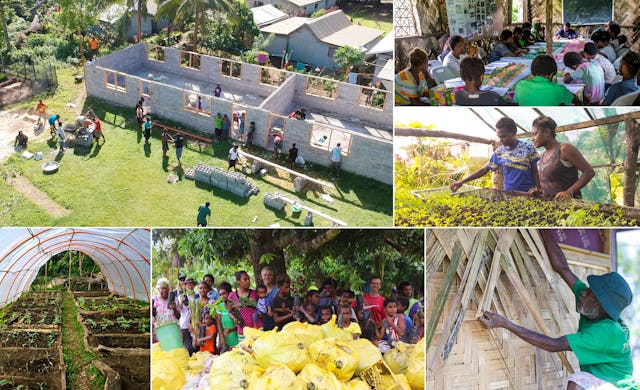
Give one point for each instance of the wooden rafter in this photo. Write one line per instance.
(413, 132)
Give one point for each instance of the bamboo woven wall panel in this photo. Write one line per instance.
(483, 359)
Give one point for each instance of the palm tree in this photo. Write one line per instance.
(174, 9)
(5, 30)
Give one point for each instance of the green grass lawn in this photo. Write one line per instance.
(370, 15)
(124, 183)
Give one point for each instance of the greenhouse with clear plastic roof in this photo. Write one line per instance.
(74, 308)
(434, 151)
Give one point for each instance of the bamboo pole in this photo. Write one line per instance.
(632, 136)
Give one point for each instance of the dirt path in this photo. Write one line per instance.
(79, 366)
(14, 121)
(38, 197)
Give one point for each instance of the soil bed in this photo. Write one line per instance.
(102, 323)
(133, 370)
(28, 338)
(33, 368)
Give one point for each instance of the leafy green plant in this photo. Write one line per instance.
(143, 325)
(106, 323)
(123, 322)
(91, 322)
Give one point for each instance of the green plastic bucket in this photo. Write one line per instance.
(169, 336)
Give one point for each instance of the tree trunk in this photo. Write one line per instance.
(261, 242)
(632, 135)
(5, 30)
(139, 21)
(195, 30)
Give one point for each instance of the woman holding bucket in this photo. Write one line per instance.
(164, 307)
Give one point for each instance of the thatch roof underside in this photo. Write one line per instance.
(506, 271)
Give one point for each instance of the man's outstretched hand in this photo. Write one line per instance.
(492, 320)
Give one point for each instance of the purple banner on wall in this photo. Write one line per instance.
(588, 239)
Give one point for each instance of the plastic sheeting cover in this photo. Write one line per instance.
(123, 256)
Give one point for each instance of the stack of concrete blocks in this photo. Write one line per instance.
(255, 167)
(274, 201)
(234, 182)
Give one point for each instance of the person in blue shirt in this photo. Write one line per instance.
(52, 124)
(518, 160)
(629, 67)
(566, 32)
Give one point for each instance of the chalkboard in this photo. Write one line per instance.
(580, 12)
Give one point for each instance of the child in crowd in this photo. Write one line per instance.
(389, 330)
(263, 306)
(453, 58)
(587, 73)
(501, 49)
(591, 53)
(207, 343)
(309, 310)
(403, 305)
(417, 330)
(325, 314)
(601, 40)
(629, 66)
(347, 297)
(282, 304)
(226, 321)
(345, 322)
(472, 72)
(541, 90)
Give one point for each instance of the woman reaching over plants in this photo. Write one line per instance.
(243, 301)
(559, 164)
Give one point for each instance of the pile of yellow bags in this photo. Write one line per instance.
(300, 357)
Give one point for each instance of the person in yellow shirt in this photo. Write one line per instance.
(344, 321)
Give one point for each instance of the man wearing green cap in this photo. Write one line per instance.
(602, 340)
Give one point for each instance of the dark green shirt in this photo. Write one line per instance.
(203, 212)
(602, 348)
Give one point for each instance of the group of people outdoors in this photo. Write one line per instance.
(212, 319)
(560, 173)
(606, 67)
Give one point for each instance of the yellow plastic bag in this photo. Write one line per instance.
(400, 378)
(276, 377)
(335, 356)
(168, 373)
(397, 358)
(307, 333)
(416, 369)
(232, 370)
(331, 330)
(368, 354)
(196, 361)
(355, 384)
(250, 336)
(273, 347)
(316, 378)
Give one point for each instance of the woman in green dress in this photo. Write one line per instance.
(226, 321)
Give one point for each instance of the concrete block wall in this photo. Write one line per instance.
(283, 96)
(94, 83)
(346, 103)
(368, 156)
(125, 60)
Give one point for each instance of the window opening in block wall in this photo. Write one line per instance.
(197, 103)
(327, 137)
(272, 76)
(372, 97)
(115, 80)
(318, 86)
(190, 60)
(230, 68)
(156, 53)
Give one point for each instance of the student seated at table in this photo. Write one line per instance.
(601, 40)
(591, 53)
(587, 73)
(472, 72)
(541, 90)
(411, 83)
(629, 66)
(518, 38)
(453, 58)
(614, 33)
(566, 32)
(501, 49)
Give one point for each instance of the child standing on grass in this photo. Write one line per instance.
(207, 343)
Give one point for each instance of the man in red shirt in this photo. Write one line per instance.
(373, 301)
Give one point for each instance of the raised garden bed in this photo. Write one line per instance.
(33, 338)
(133, 369)
(88, 304)
(104, 323)
(490, 207)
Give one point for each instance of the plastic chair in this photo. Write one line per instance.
(434, 64)
(626, 100)
(443, 73)
(621, 52)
